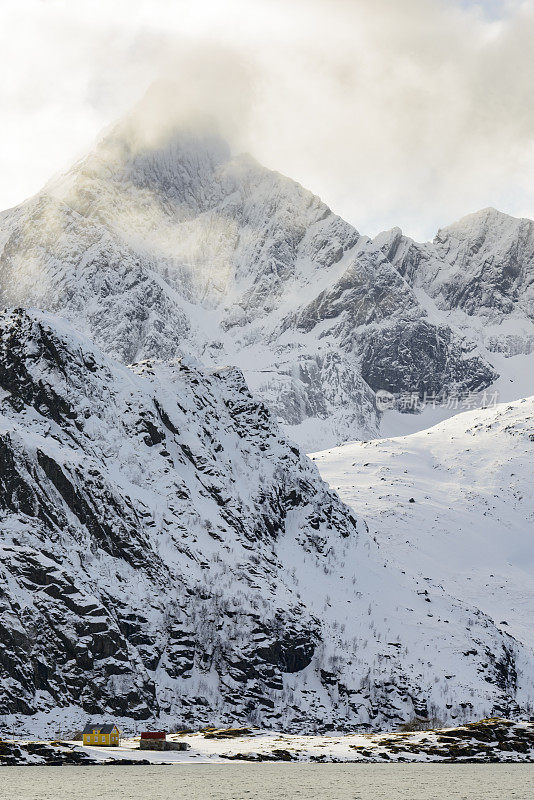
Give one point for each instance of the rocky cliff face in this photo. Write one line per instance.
(141, 514)
(162, 244)
(167, 554)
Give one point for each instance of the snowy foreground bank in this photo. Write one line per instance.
(485, 741)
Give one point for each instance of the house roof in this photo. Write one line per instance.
(153, 735)
(90, 728)
(107, 728)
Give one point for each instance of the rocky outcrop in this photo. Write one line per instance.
(56, 754)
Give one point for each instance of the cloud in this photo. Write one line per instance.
(409, 113)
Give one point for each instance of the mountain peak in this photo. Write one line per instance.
(166, 113)
(151, 147)
(472, 225)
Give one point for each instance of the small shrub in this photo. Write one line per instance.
(418, 724)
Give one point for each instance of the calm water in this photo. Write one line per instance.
(271, 782)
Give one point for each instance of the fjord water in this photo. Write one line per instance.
(269, 781)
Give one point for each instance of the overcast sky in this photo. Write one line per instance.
(395, 112)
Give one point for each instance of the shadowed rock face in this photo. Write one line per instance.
(415, 356)
(166, 553)
(173, 245)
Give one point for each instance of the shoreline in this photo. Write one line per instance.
(487, 741)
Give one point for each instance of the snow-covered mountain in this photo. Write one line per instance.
(454, 504)
(167, 553)
(162, 242)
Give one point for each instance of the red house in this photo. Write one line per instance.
(153, 740)
(157, 740)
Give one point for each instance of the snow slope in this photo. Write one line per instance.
(168, 555)
(454, 505)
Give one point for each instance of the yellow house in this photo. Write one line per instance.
(102, 735)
